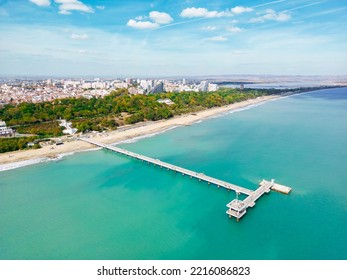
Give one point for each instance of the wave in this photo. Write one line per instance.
(232, 111)
(14, 165)
(290, 95)
(59, 157)
(135, 139)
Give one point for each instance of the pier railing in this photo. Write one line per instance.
(237, 208)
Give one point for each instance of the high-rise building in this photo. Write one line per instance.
(203, 86)
(129, 81)
(158, 88)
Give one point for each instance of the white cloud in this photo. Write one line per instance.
(234, 29)
(64, 12)
(100, 7)
(209, 28)
(41, 2)
(241, 9)
(66, 6)
(75, 36)
(272, 15)
(157, 18)
(142, 24)
(194, 12)
(160, 18)
(140, 18)
(219, 39)
(202, 12)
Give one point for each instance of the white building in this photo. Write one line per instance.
(134, 90)
(147, 84)
(70, 83)
(129, 81)
(166, 101)
(86, 85)
(119, 84)
(69, 129)
(213, 87)
(203, 86)
(4, 130)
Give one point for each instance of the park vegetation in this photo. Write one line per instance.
(107, 113)
(18, 143)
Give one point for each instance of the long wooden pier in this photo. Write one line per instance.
(237, 208)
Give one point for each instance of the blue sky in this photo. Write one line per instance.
(165, 38)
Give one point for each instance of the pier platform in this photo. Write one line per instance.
(281, 189)
(237, 208)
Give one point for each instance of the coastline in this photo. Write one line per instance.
(12, 160)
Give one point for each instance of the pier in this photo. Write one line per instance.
(237, 208)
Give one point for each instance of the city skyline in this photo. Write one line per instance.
(172, 38)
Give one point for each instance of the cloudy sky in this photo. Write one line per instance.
(172, 37)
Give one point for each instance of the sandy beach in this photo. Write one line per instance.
(124, 133)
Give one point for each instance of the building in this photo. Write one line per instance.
(147, 85)
(166, 101)
(203, 86)
(119, 84)
(129, 81)
(212, 87)
(4, 130)
(134, 90)
(158, 88)
(68, 128)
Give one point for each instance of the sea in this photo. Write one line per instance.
(100, 205)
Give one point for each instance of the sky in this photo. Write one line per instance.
(172, 38)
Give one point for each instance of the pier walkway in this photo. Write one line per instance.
(237, 208)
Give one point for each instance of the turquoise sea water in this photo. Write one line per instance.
(100, 205)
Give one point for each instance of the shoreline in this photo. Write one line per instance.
(12, 160)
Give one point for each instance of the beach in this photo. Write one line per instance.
(14, 159)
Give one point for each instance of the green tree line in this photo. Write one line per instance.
(14, 144)
(104, 113)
